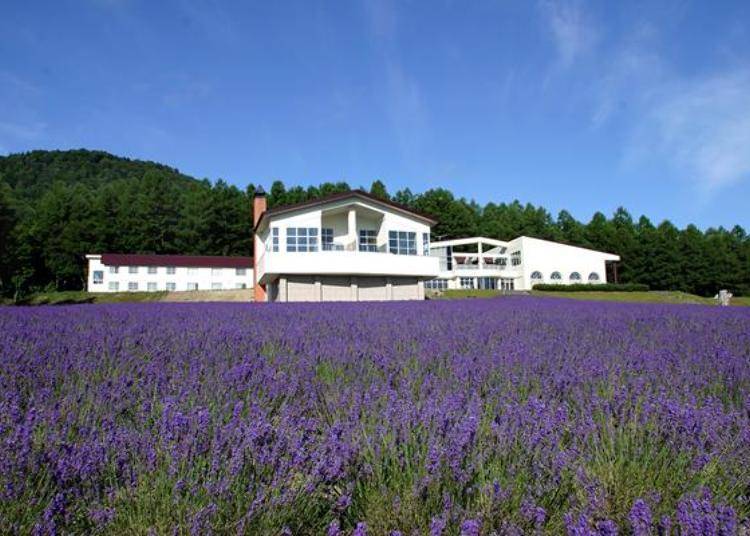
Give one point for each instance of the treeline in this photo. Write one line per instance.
(56, 206)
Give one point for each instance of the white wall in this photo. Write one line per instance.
(205, 277)
(548, 257)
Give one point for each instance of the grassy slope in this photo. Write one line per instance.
(641, 297)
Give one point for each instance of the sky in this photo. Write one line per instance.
(583, 106)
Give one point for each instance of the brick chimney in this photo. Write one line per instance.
(259, 207)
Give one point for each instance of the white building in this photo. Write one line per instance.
(521, 263)
(114, 272)
(346, 247)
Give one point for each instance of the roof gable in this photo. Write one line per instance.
(352, 194)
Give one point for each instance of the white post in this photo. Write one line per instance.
(352, 229)
(355, 290)
(480, 260)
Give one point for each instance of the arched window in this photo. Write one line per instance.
(555, 276)
(593, 276)
(575, 276)
(536, 276)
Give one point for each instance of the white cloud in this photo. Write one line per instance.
(699, 125)
(19, 131)
(573, 33)
(702, 127)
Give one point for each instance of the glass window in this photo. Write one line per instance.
(487, 283)
(274, 239)
(133, 285)
(98, 277)
(114, 269)
(425, 243)
(152, 269)
(151, 286)
(171, 286)
(515, 258)
(240, 285)
(436, 284)
(536, 276)
(216, 286)
(132, 269)
(467, 282)
(192, 286)
(216, 271)
(593, 276)
(575, 276)
(507, 284)
(302, 239)
(114, 285)
(240, 271)
(171, 270)
(555, 276)
(368, 240)
(192, 271)
(402, 242)
(326, 239)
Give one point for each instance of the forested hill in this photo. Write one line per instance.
(56, 206)
(32, 174)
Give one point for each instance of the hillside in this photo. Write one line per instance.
(31, 174)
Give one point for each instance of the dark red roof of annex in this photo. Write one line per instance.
(193, 261)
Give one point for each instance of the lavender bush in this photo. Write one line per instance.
(514, 416)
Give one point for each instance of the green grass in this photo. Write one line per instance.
(79, 296)
(469, 293)
(654, 296)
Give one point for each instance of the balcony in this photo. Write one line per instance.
(345, 261)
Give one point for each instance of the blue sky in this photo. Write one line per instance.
(576, 105)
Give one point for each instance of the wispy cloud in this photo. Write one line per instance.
(701, 127)
(571, 30)
(404, 102)
(22, 131)
(697, 125)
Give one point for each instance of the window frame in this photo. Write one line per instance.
(171, 270)
(97, 277)
(151, 286)
(402, 242)
(132, 286)
(132, 269)
(577, 277)
(555, 276)
(367, 240)
(302, 239)
(114, 269)
(595, 277)
(113, 286)
(151, 270)
(171, 286)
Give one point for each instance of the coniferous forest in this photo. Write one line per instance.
(56, 206)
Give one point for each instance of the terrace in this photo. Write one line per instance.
(476, 257)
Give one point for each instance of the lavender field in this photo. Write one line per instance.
(512, 416)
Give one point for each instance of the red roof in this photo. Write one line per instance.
(197, 261)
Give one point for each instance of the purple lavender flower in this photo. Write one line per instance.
(640, 518)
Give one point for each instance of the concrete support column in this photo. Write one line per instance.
(480, 260)
(283, 296)
(352, 229)
(318, 289)
(420, 289)
(355, 289)
(388, 289)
